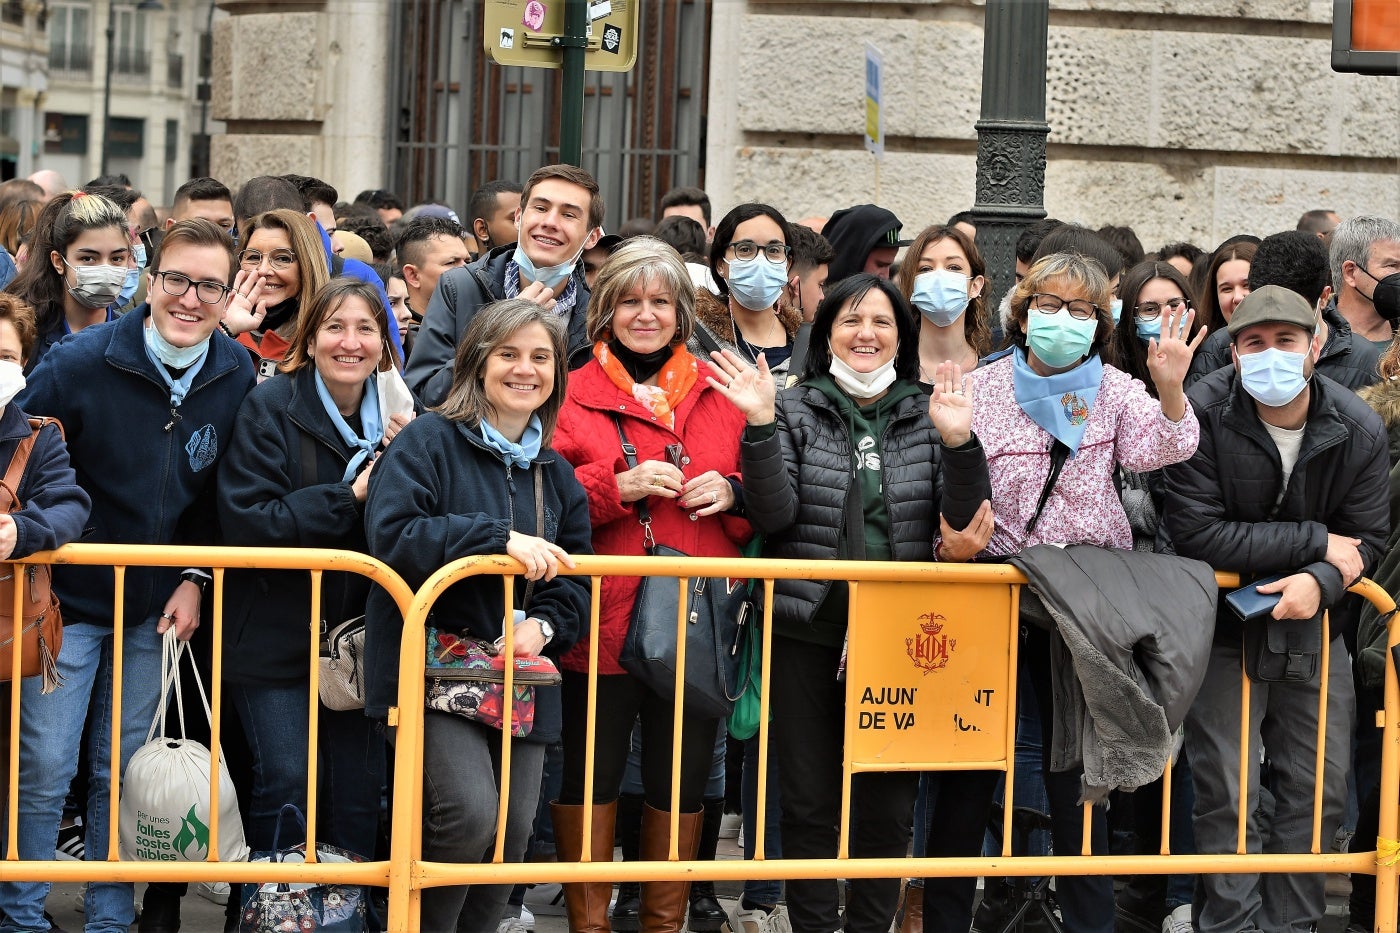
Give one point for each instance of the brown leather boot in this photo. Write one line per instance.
(913, 910)
(587, 904)
(664, 903)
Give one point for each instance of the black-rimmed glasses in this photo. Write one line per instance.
(744, 250)
(1079, 309)
(175, 284)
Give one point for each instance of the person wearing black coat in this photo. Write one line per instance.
(292, 478)
(1290, 477)
(855, 463)
(462, 481)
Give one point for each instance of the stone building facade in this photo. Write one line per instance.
(1187, 119)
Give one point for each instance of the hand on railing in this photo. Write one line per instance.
(961, 546)
(540, 557)
(1301, 599)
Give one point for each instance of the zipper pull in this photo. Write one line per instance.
(174, 419)
(32, 571)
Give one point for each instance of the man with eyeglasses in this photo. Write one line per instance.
(1298, 261)
(560, 216)
(147, 403)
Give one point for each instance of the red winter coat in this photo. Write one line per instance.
(706, 424)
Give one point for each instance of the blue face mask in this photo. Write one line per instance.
(1115, 308)
(133, 276)
(1146, 330)
(1273, 377)
(548, 276)
(169, 354)
(940, 295)
(756, 283)
(1059, 340)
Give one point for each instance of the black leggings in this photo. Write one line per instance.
(621, 699)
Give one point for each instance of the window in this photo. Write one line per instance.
(70, 38)
(132, 54)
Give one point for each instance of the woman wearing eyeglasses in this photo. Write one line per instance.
(1057, 421)
(282, 266)
(751, 261)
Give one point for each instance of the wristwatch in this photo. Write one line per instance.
(546, 629)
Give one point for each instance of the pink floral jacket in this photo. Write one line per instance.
(1126, 426)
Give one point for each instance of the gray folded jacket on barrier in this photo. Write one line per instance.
(1133, 635)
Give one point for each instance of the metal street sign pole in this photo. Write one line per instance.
(1011, 134)
(573, 43)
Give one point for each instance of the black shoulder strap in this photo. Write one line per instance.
(629, 453)
(307, 467)
(1059, 453)
(706, 340)
(798, 360)
(337, 265)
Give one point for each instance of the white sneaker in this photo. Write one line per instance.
(730, 824)
(1178, 921)
(512, 925)
(757, 921)
(527, 918)
(216, 891)
(739, 839)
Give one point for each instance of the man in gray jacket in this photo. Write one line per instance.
(561, 215)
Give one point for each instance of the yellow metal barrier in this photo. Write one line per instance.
(986, 744)
(220, 559)
(980, 738)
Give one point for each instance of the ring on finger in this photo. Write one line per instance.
(714, 497)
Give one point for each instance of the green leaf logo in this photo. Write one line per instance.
(194, 834)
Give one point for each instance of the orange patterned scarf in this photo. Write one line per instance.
(673, 381)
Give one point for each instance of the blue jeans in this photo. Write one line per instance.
(762, 892)
(51, 728)
(351, 768)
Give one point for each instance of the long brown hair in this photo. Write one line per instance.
(1208, 308)
(305, 240)
(1131, 352)
(976, 329)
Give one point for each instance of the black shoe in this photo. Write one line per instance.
(706, 914)
(626, 913)
(160, 913)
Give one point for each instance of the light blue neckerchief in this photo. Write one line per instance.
(179, 388)
(370, 422)
(1060, 403)
(522, 454)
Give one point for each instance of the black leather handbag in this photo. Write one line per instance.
(717, 608)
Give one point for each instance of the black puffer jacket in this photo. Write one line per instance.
(797, 477)
(1345, 357)
(1219, 503)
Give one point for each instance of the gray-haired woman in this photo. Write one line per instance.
(461, 482)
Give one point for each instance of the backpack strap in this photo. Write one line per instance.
(14, 474)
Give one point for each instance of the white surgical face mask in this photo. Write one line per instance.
(940, 295)
(1273, 377)
(860, 385)
(97, 286)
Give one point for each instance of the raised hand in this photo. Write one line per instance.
(950, 407)
(1169, 357)
(539, 294)
(246, 307)
(750, 389)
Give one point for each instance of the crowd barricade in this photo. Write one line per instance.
(217, 560)
(935, 646)
(933, 643)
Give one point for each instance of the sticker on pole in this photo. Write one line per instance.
(928, 674)
(874, 113)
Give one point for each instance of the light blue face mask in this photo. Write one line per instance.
(940, 295)
(1273, 377)
(548, 276)
(756, 283)
(169, 354)
(1059, 340)
(133, 276)
(1115, 308)
(1146, 330)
